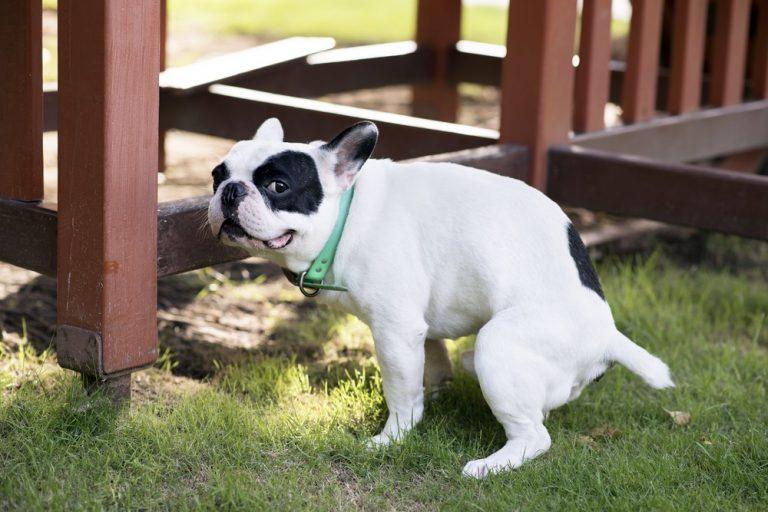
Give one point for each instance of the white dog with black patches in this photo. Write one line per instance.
(431, 251)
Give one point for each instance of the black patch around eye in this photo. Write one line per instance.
(299, 172)
(220, 174)
(587, 273)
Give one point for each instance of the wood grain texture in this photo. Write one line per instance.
(638, 100)
(759, 73)
(688, 33)
(537, 79)
(108, 146)
(438, 27)
(593, 72)
(676, 193)
(730, 52)
(21, 100)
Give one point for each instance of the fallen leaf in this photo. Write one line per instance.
(679, 418)
(586, 441)
(608, 431)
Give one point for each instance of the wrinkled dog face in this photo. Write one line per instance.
(270, 196)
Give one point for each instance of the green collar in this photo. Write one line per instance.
(313, 277)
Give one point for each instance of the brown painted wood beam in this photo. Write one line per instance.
(163, 62)
(438, 27)
(759, 75)
(235, 66)
(322, 73)
(537, 79)
(508, 160)
(675, 193)
(690, 18)
(592, 79)
(21, 100)
(729, 52)
(234, 113)
(107, 211)
(184, 241)
(342, 70)
(28, 236)
(689, 137)
(638, 100)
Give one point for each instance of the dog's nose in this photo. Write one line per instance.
(231, 195)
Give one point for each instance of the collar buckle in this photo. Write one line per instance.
(308, 288)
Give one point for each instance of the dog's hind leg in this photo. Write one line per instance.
(514, 383)
(438, 372)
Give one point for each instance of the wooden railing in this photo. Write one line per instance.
(702, 96)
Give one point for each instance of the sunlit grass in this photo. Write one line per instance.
(276, 432)
(346, 20)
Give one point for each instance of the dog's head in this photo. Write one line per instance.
(279, 199)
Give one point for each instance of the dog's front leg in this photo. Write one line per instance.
(400, 352)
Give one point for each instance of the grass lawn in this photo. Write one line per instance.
(279, 433)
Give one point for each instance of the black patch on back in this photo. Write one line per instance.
(587, 273)
(299, 172)
(220, 174)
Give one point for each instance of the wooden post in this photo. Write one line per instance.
(537, 79)
(593, 73)
(638, 100)
(688, 33)
(438, 26)
(760, 53)
(21, 99)
(730, 52)
(163, 59)
(107, 224)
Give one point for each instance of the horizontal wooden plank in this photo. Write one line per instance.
(509, 160)
(688, 137)
(234, 113)
(323, 73)
(28, 236)
(184, 240)
(481, 63)
(187, 79)
(342, 70)
(477, 63)
(675, 193)
(28, 232)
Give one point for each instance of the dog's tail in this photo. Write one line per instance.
(637, 360)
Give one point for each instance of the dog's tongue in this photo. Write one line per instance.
(279, 242)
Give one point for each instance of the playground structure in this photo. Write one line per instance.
(690, 95)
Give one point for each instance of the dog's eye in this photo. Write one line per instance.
(277, 186)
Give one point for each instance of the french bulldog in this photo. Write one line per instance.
(432, 251)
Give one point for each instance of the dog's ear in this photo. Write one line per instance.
(270, 131)
(352, 148)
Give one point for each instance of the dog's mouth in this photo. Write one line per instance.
(233, 231)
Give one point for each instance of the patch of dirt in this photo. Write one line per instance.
(153, 385)
(204, 319)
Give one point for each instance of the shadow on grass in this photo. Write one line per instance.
(229, 314)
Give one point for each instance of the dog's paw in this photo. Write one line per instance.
(379, 441)
(476, 469)
(481, 468)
